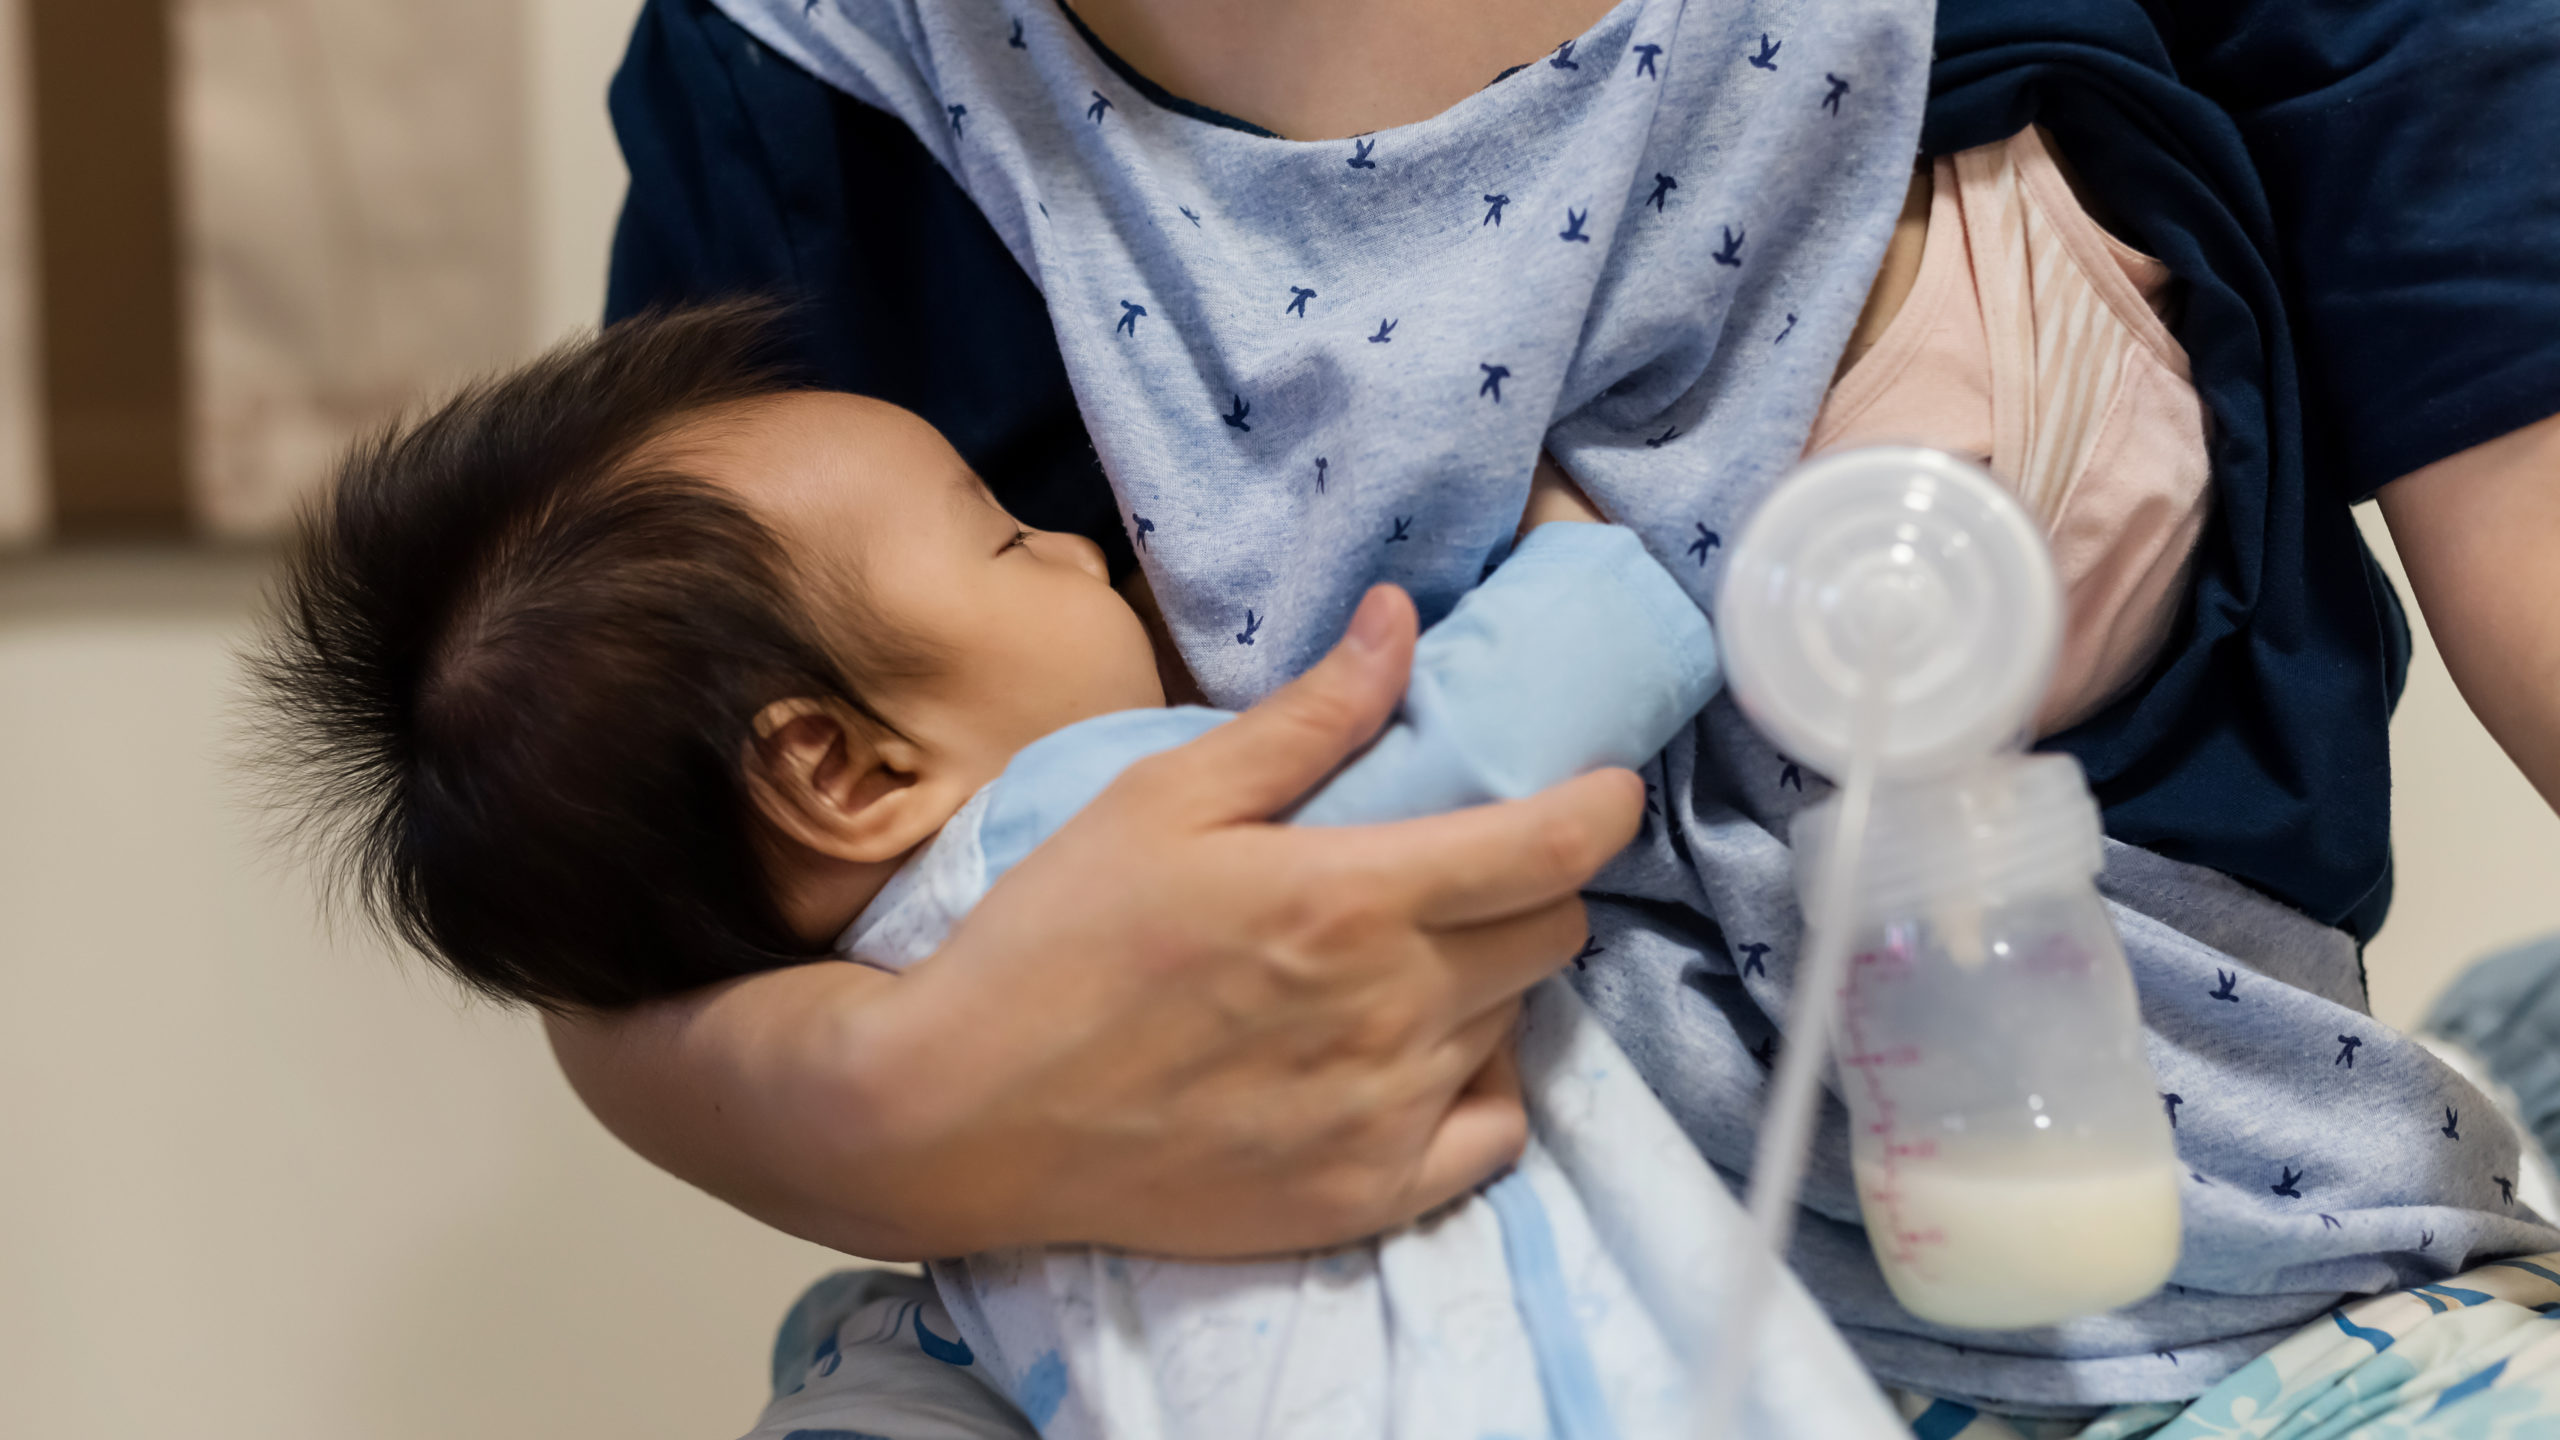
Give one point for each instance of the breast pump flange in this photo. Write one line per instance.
(1890, 617)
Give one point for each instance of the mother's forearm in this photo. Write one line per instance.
(780, 1093)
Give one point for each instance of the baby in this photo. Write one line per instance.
(642, 668)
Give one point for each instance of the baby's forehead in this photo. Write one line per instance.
(820, 451)
(852, 430)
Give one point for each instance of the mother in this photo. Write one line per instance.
(1228, 1113)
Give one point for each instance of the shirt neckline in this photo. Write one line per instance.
(1164, 99)
(1154, 93)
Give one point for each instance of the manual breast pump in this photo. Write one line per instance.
(1890, 617)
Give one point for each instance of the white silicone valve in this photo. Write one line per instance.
(1907, 564)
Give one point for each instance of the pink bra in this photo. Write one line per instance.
(2033, 342)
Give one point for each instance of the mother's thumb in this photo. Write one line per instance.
(1276, 752)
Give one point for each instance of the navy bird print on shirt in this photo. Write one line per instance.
(1386, 333)
(2171, 1103)
(2426, 1238)
(2169, 1355)
(1644, 61)
(1493, 210)
(2451, 1129)
(1146, 527)
(1663, 185)
(1767, 59)
(2506, 1189)
(2346, 1051)
(1707, 541)
(1766, 1052)
(949, 1352)
(1791, 775)
(1235, 416)
(1665, 438)
(1790, 330)
(2290, 1186)
(1731, 254)
(2229, 981)
(1015, 39)
(1494, 375)
(1590, 947)
(1320, 464)
(1299, 295)
(1189, 214)
(1755, 958)
(1360, 155)
(1252, 624)
(958, 114)
(1097, 107)
(1404, 528)
(1573, 225)
(1130, 314)
(1563, 58)
(2330, 1222)
(1839, 87)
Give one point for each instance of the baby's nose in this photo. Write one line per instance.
(1086, 555)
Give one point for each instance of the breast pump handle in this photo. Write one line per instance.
(1887, 614)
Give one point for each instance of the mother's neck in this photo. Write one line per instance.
(1325, 69)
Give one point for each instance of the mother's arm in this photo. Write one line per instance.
(2479, 533)
(1174, 1026)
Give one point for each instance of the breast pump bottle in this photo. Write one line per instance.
(1892, 616)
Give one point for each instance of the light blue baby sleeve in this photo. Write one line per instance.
(1579, 652)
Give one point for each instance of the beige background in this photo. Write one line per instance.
(262, 1182)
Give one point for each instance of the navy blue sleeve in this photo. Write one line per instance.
(2410, 161)
(751, 176)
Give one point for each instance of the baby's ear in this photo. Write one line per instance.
(829, 780)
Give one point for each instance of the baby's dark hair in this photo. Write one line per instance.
(513, 667)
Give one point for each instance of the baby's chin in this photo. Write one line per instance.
(1166, 680)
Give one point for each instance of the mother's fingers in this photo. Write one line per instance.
(1483, 1132)
(1484, 863)
(1488, 965)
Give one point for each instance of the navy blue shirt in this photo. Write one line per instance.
(2361, 199)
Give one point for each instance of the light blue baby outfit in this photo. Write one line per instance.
(1572, 1299)
(1313, 366)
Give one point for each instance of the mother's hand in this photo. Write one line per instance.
(1174, 1027)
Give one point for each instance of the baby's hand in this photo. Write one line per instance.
(1554, 497)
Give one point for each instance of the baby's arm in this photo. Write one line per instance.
(1580, 652)
(1553, 496)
